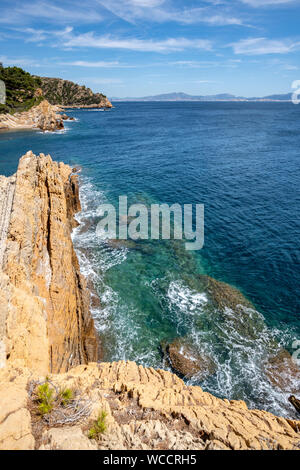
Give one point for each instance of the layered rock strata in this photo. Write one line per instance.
(146, 409)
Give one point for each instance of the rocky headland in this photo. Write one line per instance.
(69, 94)
(33, 102)
(44, 116)
(47, 339)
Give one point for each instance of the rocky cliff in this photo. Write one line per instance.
(43, 116)
(69, 94)
(44, 313)
(47, 339)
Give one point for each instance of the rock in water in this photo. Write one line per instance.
(283, 372)
(223, 295)
(187, 362)
(295, 402)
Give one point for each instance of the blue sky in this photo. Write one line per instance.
(144, 47)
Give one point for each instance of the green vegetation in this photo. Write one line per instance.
(45, 398)
(99, 427)
(21, 90)
(65, 396)
(66, 93)
(48, 398)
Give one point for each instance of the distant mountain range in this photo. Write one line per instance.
(219, 97)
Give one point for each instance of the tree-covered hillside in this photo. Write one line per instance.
(67, 93)
(22, 90)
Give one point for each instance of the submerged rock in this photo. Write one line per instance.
(186, 361)
(129, 244)
(295, 402)
(283, 372)
(223, 295)
(231, 310)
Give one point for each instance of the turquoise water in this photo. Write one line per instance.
(241, 160)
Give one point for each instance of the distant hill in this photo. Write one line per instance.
(286, 97)
(67, 93)
(219, 97)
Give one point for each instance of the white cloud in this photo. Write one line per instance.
(95, 64)
(263, 3)
(146, 3)
(95, 11)
(106, 64)
(201, 82)
(68, 40)
(40, 35)
(290, 67)
(260, 46)
(71, 12)
(202, 64)
(222, 20)
(144, 45)
(161, 11)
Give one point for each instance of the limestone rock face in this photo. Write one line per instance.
(15, 419)
(146, 409)
(45, 322)
(44, 117)
(67, 438)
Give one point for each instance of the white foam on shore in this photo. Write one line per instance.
(94, 257)
(58, 131)
(240, 345)
(184, 298)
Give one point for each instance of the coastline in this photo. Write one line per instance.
(45, 117)
(41, 289)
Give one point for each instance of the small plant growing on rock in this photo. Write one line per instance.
(45, 398)
(66, 395)
(99, 427)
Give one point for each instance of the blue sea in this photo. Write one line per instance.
(241, 160)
